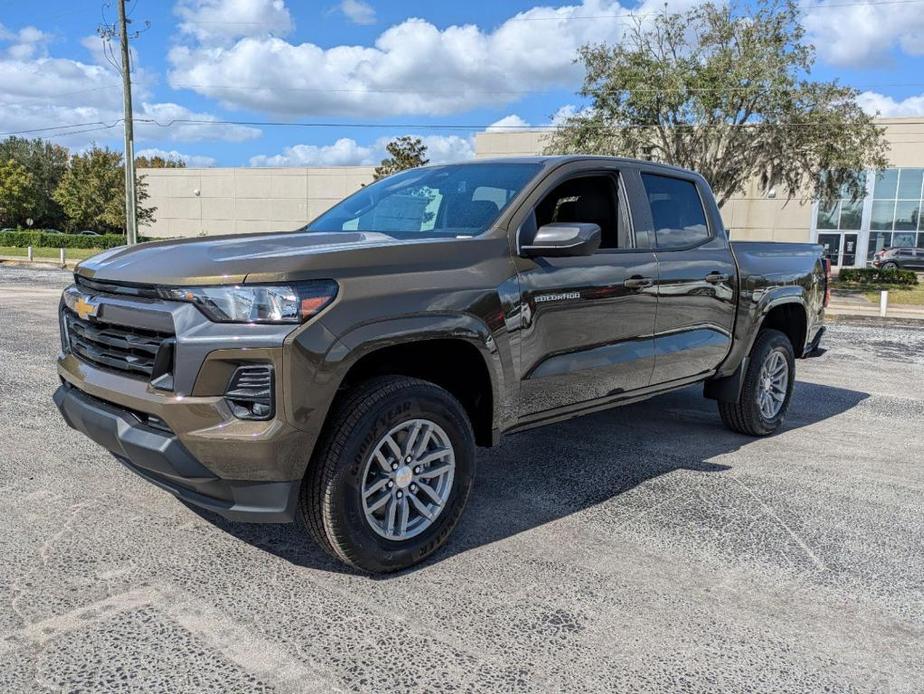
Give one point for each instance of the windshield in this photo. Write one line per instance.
(457, 200)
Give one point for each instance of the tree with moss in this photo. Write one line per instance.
(404, 153)
(16, 186)
(92, 192)
(725, 90)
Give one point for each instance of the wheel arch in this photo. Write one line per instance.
(456, 352)
(789, 316)
(785, 311)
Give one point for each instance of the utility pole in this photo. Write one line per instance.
(131, 203)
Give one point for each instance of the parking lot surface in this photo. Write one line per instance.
(642, 549)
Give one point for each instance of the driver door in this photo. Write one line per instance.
(587, 321)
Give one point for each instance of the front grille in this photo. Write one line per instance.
(120, 348)
(118, 288)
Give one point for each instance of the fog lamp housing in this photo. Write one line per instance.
(251, 393)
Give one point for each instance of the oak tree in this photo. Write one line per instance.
(726, 91)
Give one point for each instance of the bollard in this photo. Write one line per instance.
(62, 257)
(29, 253)
(883, 302)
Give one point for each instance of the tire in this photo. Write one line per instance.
(746, 416)
(333, 506)
(890, 266)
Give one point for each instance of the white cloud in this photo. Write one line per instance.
(446, 149)
(358, 12)
(49, 92)
(860, 34)
(441, 149)
(507, 123)
(412, 67)
(222, 21)
(195, 160)
(343, 152)
(25, 43)
(888, 107)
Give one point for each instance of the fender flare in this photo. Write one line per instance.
(367, 338)
(728, 388)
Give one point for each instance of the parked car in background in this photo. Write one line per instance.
(88, 232)
(52, 231)
(899, 259)
(342, 375)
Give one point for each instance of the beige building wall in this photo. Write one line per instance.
(194, 202)
(752, 215)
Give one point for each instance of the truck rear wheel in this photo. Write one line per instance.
(767, 388)
(391, 476)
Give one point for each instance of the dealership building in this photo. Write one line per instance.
(209, 201)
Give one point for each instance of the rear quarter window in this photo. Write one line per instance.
(676, 211)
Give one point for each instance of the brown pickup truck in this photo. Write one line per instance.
(342, 375)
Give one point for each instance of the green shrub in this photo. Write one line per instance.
(39, 239)
(871, 275)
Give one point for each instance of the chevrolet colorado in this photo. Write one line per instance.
(342, 375)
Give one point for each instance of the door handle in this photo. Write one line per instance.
(716, 278)
(638, 282)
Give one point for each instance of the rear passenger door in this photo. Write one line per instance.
(696, 277)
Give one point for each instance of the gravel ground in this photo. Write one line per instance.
(643, 549)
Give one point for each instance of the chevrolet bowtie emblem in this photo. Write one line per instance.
(84, 308)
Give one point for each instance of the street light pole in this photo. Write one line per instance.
(131, 229)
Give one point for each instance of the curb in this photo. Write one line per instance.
(848, 310)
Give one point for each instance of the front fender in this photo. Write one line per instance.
(367, 338)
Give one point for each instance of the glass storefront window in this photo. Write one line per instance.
(877, 241)
(903, 239)
(906, 215)
(909, 184)
(851, 214)
(882, 215)
(894, 211)
(827, 217)
(886, 184)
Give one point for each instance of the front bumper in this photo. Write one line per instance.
(161, 458)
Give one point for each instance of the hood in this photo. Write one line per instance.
(227, 259)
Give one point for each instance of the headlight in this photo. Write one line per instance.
(258, 303)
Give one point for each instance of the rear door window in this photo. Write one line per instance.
(676, 210)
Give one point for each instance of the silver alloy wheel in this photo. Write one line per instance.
(774, 381)
(407, 479)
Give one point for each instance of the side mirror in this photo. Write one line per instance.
(563, 239)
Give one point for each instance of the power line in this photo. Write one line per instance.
(63, 127)
(589, 17)
(462, 92)
(416, 126)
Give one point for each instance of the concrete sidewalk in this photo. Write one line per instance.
(41, 263)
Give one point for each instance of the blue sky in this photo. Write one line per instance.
(403, 67)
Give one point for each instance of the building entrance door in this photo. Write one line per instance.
(832, 247)
(840, 248)
(849, 250)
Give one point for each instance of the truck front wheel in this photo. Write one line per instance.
(767, 387)
(391, 476)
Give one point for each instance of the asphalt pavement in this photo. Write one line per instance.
(643, 549)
